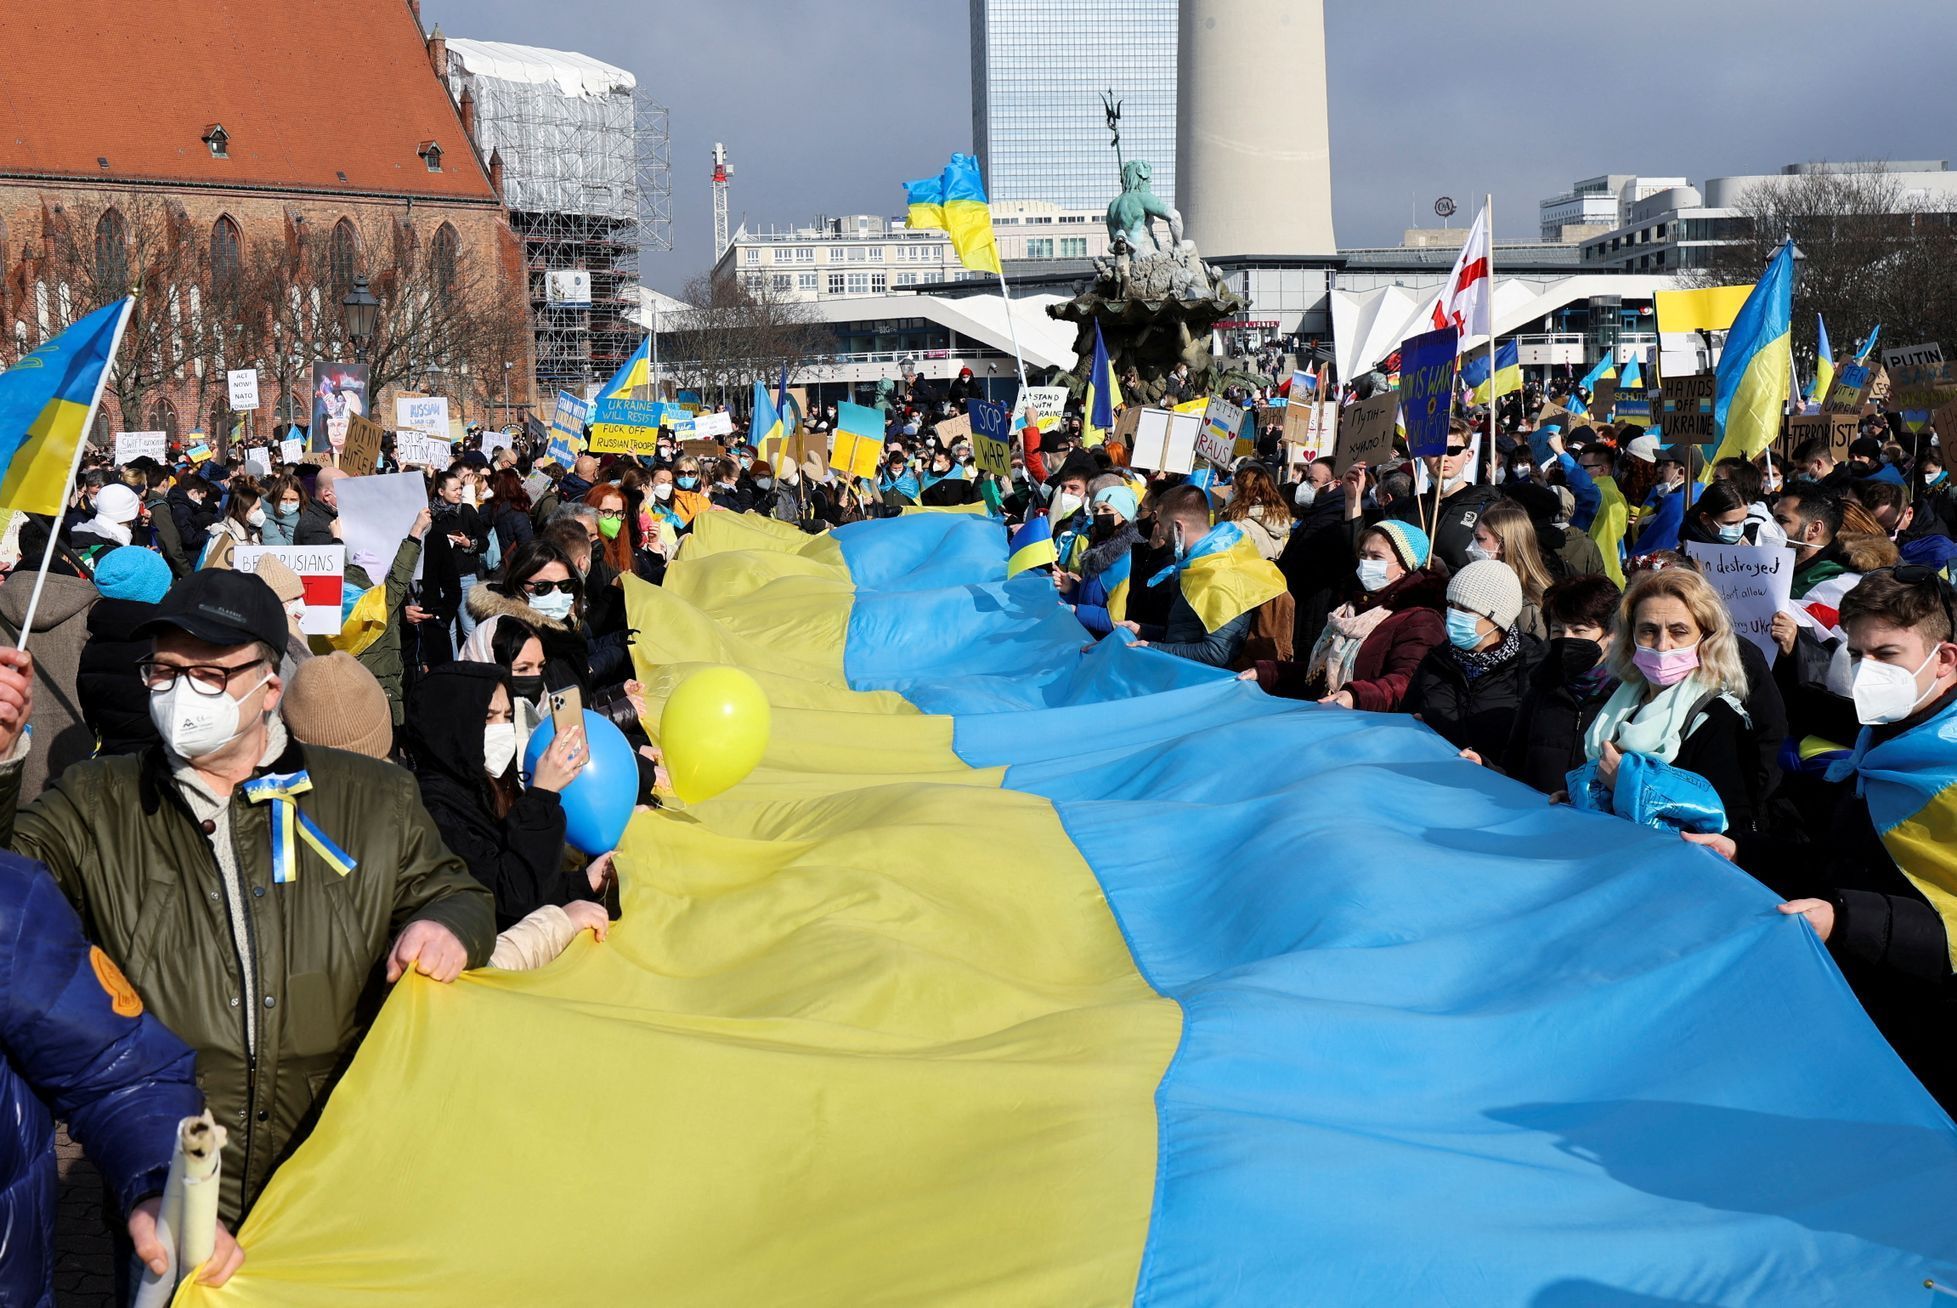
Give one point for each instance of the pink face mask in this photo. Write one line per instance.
(1663, 668)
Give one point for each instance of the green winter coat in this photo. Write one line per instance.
(119, 838)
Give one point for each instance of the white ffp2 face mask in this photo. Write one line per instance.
(498, 747)
(1884, 693)
(193, 725)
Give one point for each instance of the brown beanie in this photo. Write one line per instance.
(284, 581)
(334, 702)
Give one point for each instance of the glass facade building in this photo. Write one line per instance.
(1038, 70)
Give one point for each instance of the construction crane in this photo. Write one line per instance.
(722, 170)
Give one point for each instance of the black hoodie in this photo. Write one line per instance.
(519, 856)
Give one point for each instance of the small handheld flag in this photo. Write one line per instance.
(1031, 547)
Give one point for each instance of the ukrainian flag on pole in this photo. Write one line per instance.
(636, 371)
(955, 201)
(1486, 382)
(1103, 395)
(1824, 363)
(47, 402)
(1756, 368)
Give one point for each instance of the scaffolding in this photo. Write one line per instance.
(587, 180)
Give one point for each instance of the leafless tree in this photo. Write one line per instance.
(734, 334)
(1870, 253)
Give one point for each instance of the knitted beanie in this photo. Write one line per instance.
(334, 702)
(1408, 541)
(132, 574)
(284, 581)
(117, 503)
(1120, 499)
(1488, 587)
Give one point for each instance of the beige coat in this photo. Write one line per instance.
(60, 631)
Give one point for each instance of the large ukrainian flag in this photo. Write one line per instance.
(1022, 976)
(955, 201)
(46, 401)
(636, 371)
(1756, 369)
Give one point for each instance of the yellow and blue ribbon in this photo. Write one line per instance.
(281, 790)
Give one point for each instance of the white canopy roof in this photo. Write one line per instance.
(573, 74)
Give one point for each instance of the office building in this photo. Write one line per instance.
(1039, 68)
(1596, 205)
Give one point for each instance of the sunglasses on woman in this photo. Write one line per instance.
(547, 587)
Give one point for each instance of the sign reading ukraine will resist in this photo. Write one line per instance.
(625, 426)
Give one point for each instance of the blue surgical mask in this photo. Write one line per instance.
(1462, 632)
(1731, 533)
(687, 483)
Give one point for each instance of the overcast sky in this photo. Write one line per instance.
(826, 105)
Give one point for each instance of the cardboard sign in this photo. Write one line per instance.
(956, 428)
(991, 446)
(1945, 420)
(197, 451)
(243, 383)
(1838, 428)
(1217, 441)
(292, 449)
(1126, 424)
(321, 570)
(1850, 387)
(1755, 581)
(1912, 356)
(1311, 426)
(624, 426)
(422, 450)
(1603, 398)
(1366, 434)
(1687, 415)
(703, 450)
(1917, 390)
(138, 444)
(427, 414)
(856, 446)
(1165, 441)
(362, 452)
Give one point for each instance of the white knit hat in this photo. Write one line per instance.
(116, 503)
(1488, 587)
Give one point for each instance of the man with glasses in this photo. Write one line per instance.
(1462, 501)
(1876, 881)
(250, 887)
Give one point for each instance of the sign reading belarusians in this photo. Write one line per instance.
(322, 571)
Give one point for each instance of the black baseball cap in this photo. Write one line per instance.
(223, 607)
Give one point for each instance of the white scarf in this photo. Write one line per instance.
(115, 531)
(1655, 729)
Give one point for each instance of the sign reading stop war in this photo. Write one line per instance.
(1366, 432)
(1687, 417)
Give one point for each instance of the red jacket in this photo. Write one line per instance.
(1388, 656)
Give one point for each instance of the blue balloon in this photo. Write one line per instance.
(599, 801)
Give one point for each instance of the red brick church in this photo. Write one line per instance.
(241, 165)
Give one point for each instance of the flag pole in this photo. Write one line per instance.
(1488, 206)
(1012, 327)
(74, 466)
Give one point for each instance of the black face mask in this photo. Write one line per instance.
(530, 688)
(1104, 528)
(1575, 655)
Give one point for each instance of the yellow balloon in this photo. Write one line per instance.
(713, 731)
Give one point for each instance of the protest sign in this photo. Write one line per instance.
(140, 444)
(856, 446)
(292, 449)
(1427, 390)
(1050, 402)
(421, 450)
(362, 452)
(197, 451)
(1124, 426)
(1217, 441)
(713, 424)
(258, 463)
(624, 426)
(375, 514)
(1837, 428)
(1311, 426)
(1366, 434)
(339, 393)
(567, 429)
(950, 431)
(1165, 441)
(703, 449)
(427, 414)
(1850, 387)
(321, 570)
(1912, 356)
(991, 446)
(1945, 419)
(1917, 390)
(243, 383)
(1603, 398)
(1755, 581)
(497, 439)
(1687, 410)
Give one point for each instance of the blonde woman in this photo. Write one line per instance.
(1679, 704)
(1504, 532)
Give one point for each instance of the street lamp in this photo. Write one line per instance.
(506, 391)
(360, 310)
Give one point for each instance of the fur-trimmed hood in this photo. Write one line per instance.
(485, 603)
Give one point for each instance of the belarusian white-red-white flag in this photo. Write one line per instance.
(1467, 301)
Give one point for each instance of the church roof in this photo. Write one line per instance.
(318, 95)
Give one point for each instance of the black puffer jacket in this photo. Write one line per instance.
(520, 855)
(114, 704)
(1546, 741)
(1473, 714)
(1317, 563)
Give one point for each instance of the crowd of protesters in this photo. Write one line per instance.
(1538, 606)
